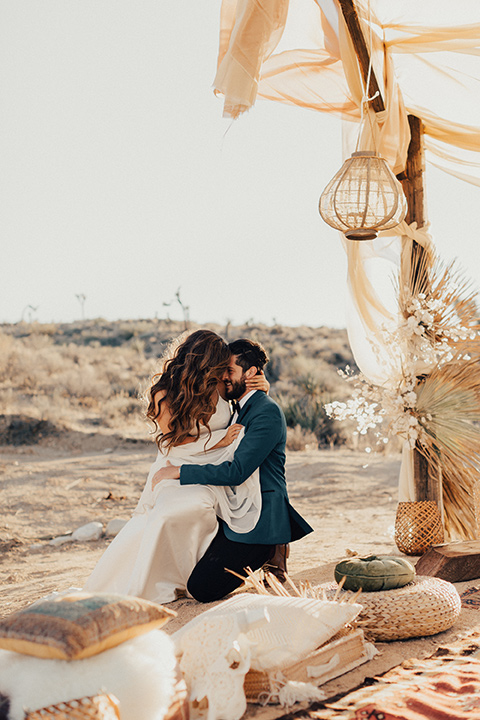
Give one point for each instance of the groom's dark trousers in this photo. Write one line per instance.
(263, 447)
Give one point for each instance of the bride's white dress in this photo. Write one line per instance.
(173, 525)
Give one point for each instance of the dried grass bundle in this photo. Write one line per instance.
(448, 397)
(303, 589)
(447, 295)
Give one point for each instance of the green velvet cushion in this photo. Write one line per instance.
(382, 572)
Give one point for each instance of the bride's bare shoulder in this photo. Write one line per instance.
(162, 411)
(159, 395)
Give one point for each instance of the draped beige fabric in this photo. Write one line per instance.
(426, 58)
(249, 31)
(324, 75)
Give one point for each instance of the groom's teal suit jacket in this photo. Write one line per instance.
(263, 447)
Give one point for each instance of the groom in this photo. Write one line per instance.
(263, 447)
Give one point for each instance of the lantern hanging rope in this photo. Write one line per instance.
(363, 197)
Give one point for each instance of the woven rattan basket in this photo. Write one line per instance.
(107, 707)
(98, 707)
(424, 607)
(345, 652)
(418, 526)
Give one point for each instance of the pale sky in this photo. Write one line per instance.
(120, 180)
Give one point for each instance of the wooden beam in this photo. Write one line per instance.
(412, 183)
(427, 486)
(412, 180)
(354, 28)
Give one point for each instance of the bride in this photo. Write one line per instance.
(173, 525)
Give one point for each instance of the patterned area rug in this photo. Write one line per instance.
(445, 686)
(471, 598)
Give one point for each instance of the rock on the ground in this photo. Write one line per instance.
(61, 539)
(90, 531)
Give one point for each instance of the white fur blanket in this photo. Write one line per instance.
(139, 672)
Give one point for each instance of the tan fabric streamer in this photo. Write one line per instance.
(430, 71)
(250, 30)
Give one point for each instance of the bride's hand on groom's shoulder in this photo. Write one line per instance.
(258, 382)
(169, 472)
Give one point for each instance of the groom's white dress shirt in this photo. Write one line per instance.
(241, 403)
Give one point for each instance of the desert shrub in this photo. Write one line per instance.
(122, 411)
(7, 400)
(309, 414)
(24, 430)
(92, 372)
(300, 439)
(83, 382)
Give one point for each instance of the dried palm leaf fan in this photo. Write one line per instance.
(448, 397)
(363, 198)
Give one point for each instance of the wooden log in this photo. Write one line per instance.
(427, 484)
(412, 182)
(353, 25)
(454, 562)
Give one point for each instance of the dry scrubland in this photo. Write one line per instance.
(89, 377)
(75, 448)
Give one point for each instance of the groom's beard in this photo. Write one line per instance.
(235, 390)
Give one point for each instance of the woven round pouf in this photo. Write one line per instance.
(424, 607)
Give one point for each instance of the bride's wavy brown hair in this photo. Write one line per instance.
(189, 378)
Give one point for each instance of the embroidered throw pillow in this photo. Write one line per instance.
(78, 626)
(296, 626)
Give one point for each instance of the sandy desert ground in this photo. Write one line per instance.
(49, 490)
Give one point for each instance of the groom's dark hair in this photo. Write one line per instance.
(249, 354)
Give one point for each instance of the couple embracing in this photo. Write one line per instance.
(216, 496)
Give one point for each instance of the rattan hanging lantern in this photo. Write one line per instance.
(363, 198)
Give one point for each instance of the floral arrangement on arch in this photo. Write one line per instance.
(432, 398)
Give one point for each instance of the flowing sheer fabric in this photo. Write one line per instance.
(173, 525)
(426, 59)
(300, 53)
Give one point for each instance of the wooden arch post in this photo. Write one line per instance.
(427, 483)
(427, 486)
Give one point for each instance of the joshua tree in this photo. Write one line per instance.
(31, 309)
(81, 299)
(185, 310)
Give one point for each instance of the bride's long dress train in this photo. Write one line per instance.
(172, 526)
